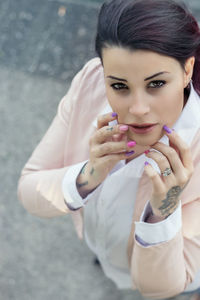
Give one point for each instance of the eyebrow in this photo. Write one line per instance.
(157, 74)
(116, 78)
(148, 78)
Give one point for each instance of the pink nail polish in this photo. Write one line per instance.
(123, 128)
(147, 151)
(131, 144)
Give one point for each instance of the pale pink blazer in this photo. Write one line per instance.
(173, 263)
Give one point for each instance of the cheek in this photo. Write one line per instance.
(111, 99)
(117, 104)
(171, 107)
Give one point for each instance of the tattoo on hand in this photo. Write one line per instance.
(170, 202)
(110, 129)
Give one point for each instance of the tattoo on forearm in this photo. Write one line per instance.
(170, 202)
(80, 185)
(110, 129)
(82, 171)
(92, 171)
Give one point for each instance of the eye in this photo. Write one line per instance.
(119, 86)
(157, 84)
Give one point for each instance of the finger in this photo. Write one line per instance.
(182, 146)
(174, 147)
(117, 137)
(163, 164)
(102, 135)
(112, 148)
(168, 158)
(114, 158)
(103, 120)
(158, 185)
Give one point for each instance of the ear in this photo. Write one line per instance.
(189, 67)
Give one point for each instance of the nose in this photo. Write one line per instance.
(139, 106)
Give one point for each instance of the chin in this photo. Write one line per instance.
(145, 140)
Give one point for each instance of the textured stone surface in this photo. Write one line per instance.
(42, 45)
(47, 38)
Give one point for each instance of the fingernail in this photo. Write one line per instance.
(147, 151)
(123, 128)
(114, 114)
(130, 153)
(146, 163)
(167, 129)
(131, 144)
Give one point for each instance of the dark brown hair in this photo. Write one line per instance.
(162, 26)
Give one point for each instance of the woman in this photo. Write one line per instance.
(123, 152)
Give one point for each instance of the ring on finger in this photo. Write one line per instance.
(166, 172)
(156, 155)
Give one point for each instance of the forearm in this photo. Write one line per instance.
(162, 266)
(156, 254)
(86, 182)
(152, 217)
(40, 192)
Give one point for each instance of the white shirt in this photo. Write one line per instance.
(109, 208)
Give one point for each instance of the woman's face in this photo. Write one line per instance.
(144, 87)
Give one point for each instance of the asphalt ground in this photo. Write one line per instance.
(43, 43)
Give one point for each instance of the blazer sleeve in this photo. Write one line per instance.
(40, 184)
(166, 269)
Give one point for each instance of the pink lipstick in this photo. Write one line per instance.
(142, 128)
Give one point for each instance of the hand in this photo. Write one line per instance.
(108, 145)
(167, 189)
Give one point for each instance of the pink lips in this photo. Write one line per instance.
(142, 128)
(142, 124)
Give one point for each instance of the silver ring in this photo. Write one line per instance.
(167, 172)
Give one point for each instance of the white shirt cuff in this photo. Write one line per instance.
(155, 233)
(69, 189)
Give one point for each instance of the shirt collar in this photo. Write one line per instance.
(188, 123)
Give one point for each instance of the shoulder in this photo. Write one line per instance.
(88, 82)
(92, 70)
(86, 94)
(93, 64)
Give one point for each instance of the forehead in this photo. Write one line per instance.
(125, 61)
